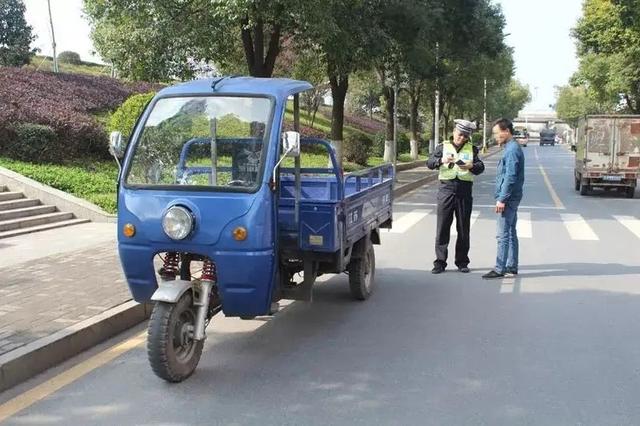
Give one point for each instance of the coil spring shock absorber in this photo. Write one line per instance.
(169, 268)
(209, 271)
(207, 283)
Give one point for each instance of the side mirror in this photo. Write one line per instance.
(116, 145)
(291, 144)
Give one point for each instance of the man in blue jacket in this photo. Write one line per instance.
(509, 183)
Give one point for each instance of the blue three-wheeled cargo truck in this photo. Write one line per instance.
(217, 213)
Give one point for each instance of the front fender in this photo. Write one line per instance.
(171, 291)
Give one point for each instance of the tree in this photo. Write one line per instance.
(349, 37)
(608, 40)
(470, 58)
(573, 103)
(410, 27)
(308, 65)
(156, 40)
(508, 100)
(15, 35)
(364, 93)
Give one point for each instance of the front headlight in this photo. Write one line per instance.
(177, 223)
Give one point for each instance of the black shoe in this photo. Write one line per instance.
(492, 274)
(464, 269)
(437, 270)
(510, 274)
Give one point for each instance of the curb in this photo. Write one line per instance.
(27, 361)
(411, 165)
(408, 187)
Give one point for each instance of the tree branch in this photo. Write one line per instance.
(247, 43)
(273, 51)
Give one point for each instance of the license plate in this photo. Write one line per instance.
(612, 178)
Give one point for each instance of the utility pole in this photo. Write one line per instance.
(484, 120)
(395, 126)
(53, 40)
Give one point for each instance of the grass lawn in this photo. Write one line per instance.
(93, 181)
(44, 63)
(321, 122)
(96, 181)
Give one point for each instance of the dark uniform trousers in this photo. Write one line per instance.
(455, 197)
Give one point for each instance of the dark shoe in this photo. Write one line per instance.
(492, 275)
(437, 270)
(464, 269)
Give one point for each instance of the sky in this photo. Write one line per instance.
(539, 31)
(545, 53)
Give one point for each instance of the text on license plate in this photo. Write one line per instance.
(612, 178)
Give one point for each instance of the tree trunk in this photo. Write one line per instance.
(415, 125)
(339, 87)
(253, 44)
(389, 104)
(415, 128)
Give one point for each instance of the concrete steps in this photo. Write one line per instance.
(20, 215)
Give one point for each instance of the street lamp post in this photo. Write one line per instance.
(436, 124)
(53, 40)
(436, 115)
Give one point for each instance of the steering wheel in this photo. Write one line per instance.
(237, 182)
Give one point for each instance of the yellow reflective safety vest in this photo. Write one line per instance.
(465, 154)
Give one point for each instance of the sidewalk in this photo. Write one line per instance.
(56, 287)
(63, 291)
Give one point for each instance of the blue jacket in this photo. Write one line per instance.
(510, 179)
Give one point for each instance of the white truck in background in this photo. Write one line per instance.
(608, 153)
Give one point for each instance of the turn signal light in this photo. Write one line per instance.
(240, 233)
(129, 230)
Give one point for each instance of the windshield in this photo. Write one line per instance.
(215, 141)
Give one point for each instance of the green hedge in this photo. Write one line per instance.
(125, 117)
(33, 142)
(69, 57)
(357, 148)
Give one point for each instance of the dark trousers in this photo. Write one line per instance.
(454, 198)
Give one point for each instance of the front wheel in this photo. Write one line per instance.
(631, 192)
(172, 351)
(362, 271)
(585, 189)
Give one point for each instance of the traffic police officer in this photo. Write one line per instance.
(458, 163)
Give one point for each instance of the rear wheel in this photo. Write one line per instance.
(172, 351)
(577, 183)
(362, 270)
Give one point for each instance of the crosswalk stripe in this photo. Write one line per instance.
(407, 221)
(523, 226)
(631, 223)
(474, 217)
(578, 228)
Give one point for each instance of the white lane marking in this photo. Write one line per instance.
(407, 221)
(480, 206)
(578, 228)
(474, 217)
(523, 226)
(631, 223)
